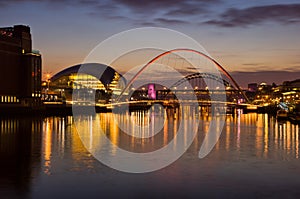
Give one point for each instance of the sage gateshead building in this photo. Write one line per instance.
(82, 82)
(20, 68)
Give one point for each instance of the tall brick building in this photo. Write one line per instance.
(20, 67)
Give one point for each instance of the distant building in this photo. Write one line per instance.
(264, 88)
(20, 67)
(290, 86)
(289, 91)
(252, 87)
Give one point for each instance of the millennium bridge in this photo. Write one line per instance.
(202, 81)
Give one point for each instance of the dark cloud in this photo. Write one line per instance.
(155, 5)
(165, 12)
(89, 2)
(285, 14)
(153, 13)
(106, 10)
(143, 23)
(50, 3)
(146, 6)
(187, 11)
(170, 21)
(170, 8)
(29, 1)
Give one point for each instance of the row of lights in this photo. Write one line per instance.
(36, 95)
(196, 88)
(9, 99)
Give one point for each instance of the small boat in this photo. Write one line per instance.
(282, 114)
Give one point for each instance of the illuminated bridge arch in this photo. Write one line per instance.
(202, 76)
(191, 76)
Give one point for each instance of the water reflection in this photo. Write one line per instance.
(34, 150)
(136, 131)
(20, 151)
(270, 136)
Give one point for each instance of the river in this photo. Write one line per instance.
(256, 156)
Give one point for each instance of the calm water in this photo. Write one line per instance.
(256, 156)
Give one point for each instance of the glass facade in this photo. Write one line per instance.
(69, 82)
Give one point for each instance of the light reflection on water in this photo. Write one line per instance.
(46, 158)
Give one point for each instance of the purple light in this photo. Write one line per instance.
(151, 91)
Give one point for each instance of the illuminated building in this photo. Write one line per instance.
(290, 86)
(73, 80)
(20, 66)
(288, 92)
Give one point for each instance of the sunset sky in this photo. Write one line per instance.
(244, 36)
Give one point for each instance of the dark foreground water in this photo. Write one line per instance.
(255, 157)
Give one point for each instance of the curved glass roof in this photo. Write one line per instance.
(103, 72)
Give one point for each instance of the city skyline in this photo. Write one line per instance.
(244, 37)
(155, 99)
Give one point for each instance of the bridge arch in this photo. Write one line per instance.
(184, 50)
(201, 75)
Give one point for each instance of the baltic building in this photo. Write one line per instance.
(20, 67)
